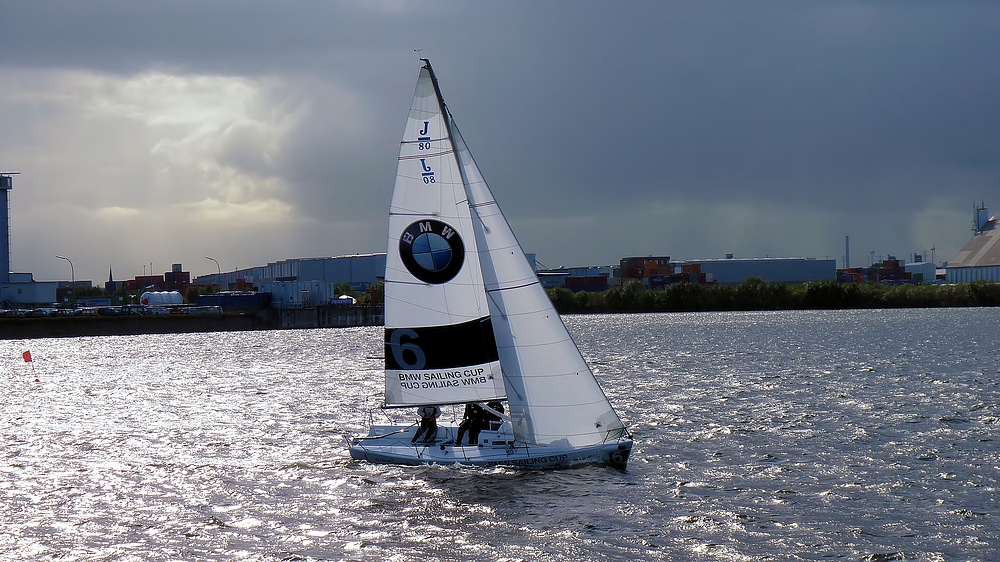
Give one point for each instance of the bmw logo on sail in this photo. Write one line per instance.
(432, 251)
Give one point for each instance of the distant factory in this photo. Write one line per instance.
(979, 260)
(20, 288)
(657, 272)
(302, 281)
(313, 281)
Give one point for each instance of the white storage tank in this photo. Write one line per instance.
(160, 298)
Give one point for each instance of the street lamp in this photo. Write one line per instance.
(218, 280)
(72, 273)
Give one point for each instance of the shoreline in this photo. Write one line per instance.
(128, 325)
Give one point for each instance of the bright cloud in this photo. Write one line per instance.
(152, 155)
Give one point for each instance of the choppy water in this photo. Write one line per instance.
(854, 435)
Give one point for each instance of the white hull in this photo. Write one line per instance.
(386, 444)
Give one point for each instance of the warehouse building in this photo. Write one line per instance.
(979, 260)
(301, 282)
(359, 271)
(594, 278)
(730, 271)
(791, 271)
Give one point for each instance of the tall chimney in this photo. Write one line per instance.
(6, 184)
(847, 252)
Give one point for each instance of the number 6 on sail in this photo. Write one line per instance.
(467, 322)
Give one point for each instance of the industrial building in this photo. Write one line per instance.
(589, 278)
(979, 260)
(657, 272)
(301, 282)
(20, 289)
(306, 282)
(922, 271)
(791, 271)
(660, 270)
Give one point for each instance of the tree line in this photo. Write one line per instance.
(757, 294)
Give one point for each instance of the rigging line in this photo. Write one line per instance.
(505, 376)
(412, 283)
(503, 312)
(440, 98)
(500, 289)
(370, 438)
(463, 174)
(465, 284)
(447, 313)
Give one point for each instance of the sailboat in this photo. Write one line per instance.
(468, 322)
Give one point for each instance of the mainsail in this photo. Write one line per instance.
(439, 341)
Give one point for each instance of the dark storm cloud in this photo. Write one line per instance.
(833, 100)
(191, 36)
(867, 117)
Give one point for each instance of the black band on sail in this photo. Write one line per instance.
(440, 347)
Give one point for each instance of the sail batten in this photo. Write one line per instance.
(498, 289)
(433, 155)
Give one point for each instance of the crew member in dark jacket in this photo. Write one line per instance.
(473, 422)
(493, 420)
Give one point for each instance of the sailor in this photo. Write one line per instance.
(494, 421)
(428, 424)
(474, 421)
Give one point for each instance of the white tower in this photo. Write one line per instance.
(6, 184)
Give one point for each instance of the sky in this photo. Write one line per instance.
(160, 132)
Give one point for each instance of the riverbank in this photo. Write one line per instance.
(135, 324)
(753, 294)
(756, 294)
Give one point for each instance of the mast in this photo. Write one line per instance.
(485, 329)
(444, 106)
(448, 124)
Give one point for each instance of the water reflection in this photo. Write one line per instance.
(799, 435)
